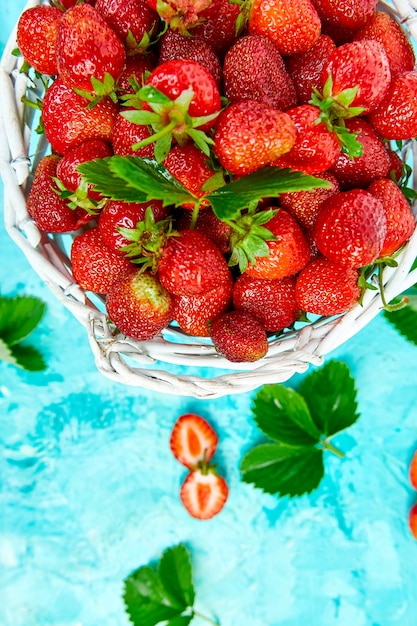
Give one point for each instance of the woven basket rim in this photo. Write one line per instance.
(136, 363)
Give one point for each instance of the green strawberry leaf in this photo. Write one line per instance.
(28, 358)
(300, 425)
(404, 319)
(162, 593)
(108, 183)
(267, 182)
(19, 316)
(283, 415)
(286, 470)
(331, 397)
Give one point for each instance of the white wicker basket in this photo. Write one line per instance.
(147, 364)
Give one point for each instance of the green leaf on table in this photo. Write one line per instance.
(404, 320)
(300, 425)
(163, 592)
(19, 316)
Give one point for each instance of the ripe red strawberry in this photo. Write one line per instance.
(37, 32)
(195, 313)
(316, 148)
(191, 264)
(396, 116)
(88, 48)
(251, 134)
(68, 120)
(384, 28)
(288, 254)
(126, 134)
(305, 205)
(412, 520)
(139, 305)
(134, 71)
(118, 214)
(362, 64)
(188, 164)
(70, 3)
(133, 21)
(94, 266)
(293, 25)
(347, 14)
(50, 212)
(86, 151)
(253, 69)
(400, 219)
(176, 46)
(271, 301)
(374, 162)
(179, 14)
(218, 25)
(210, 225)
(327, 288)
(412, 472)
(350, 228)
(193, 441)
(239, 337)
(204, 493)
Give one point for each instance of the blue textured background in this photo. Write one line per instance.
(89, 491)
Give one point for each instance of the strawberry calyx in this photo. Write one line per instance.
(181, 14)
(334, 109)
(169, 120)
(148, 240)
(79, 198)
(249, 237)
(100, 89)
(372, 277)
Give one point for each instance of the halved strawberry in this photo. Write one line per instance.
(413, 471)
(193, 440)
(204, 493)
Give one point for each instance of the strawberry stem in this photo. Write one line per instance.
(206, 619)
(158, 135)
(331, 448)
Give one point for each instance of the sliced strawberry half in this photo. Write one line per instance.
(413, 471)
(193, 440)
(204, 493)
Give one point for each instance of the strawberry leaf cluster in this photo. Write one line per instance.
(19, 316)
(300, 425)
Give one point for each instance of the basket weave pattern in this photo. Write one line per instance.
(146, 364)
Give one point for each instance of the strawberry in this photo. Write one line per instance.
(412, 520)
(195, 313)
(239, 336)
(350, 228)
(126, 135)
(293, 25)
(210, 225)
(133, 21)
(400, 219)
(67, 167)
(193, 441)
(396, 116)
(118, 214)
(219, 25)
(384, 28)
(346, 14)
(253, 69)
(87, 48)
(191, 264)
(374, 162)
(324, 287)
(361, 65)
(139, 305)
(305, 205)
(95, 267)
(305, 68)
(412, 472)
(204, 493)
(251, 134)
(179, 14)
(133, 74)
(316, 147)
(288, 253)
(176, 46)
(188, 164)
(68, 120)
(50, 212)
(271, 301)
(37, 32)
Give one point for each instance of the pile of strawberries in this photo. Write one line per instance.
(207, 93)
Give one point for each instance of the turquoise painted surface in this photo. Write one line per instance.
(89, 492)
